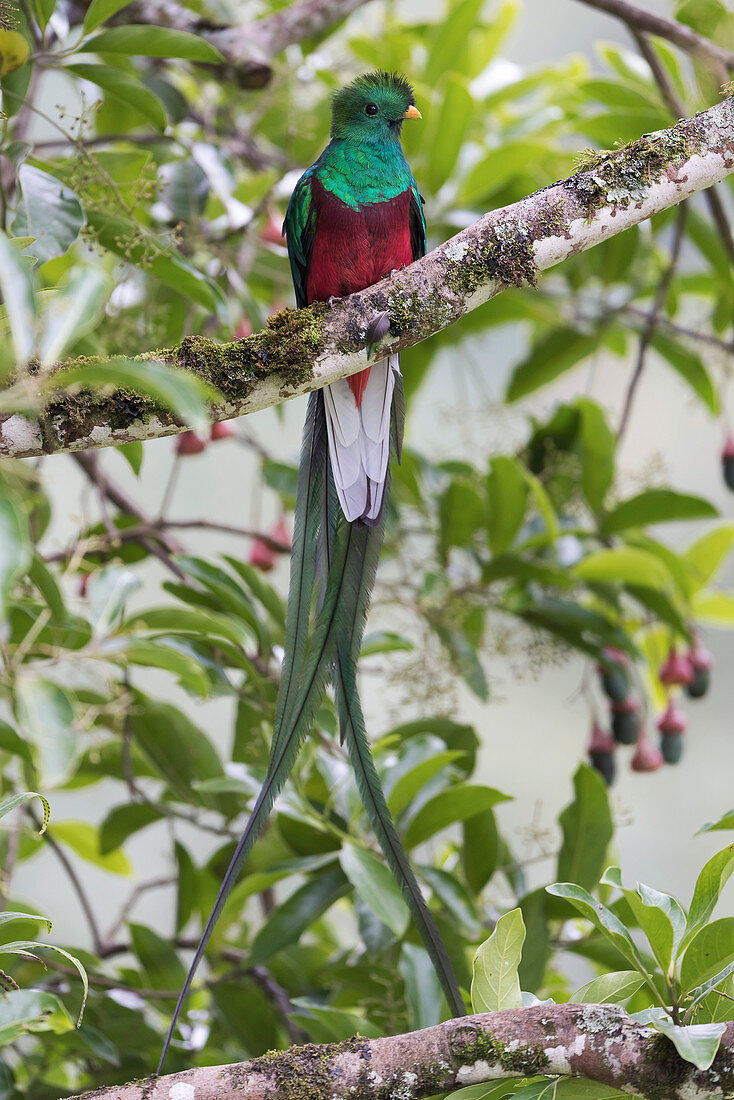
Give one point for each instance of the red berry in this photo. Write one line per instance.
(190, 443)
(272, 231)
(262, 556)
(676, 670)
(647, 758)
(727, 460)
(673, 721)
(223, 429)
(279, 533)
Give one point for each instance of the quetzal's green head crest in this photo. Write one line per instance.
(372, 108)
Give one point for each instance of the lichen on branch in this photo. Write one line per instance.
(598, 1042)
(301, 350)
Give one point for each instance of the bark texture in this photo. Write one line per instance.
(302, 350)
(600, 1042)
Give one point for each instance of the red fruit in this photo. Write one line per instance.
(263, 554)
(673, 721)
(223, 429)
(242, 329)
(279, 533)
(677, 669)
(647, 758)
(618, 656)
(190, 443)
(84, 584)
(272, 231)
(700, 657)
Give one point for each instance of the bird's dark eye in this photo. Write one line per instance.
(371, 109)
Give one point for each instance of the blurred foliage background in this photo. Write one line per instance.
(556, 554)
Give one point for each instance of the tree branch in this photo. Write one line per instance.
(302, 350)
(677, 33)
(600, 1042)
(249, 50)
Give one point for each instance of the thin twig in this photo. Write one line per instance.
(56, 848)
(651, 325)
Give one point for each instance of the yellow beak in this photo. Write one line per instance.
(412, 112)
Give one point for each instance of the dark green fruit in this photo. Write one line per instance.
(671, 746)
(700, 683)
(625, 722)
(615, 683)
(605, 764)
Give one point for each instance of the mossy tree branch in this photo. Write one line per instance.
(599, 1042)
(303, 350)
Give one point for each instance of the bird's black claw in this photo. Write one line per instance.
(378, 327)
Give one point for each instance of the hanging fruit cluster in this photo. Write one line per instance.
(690, 671)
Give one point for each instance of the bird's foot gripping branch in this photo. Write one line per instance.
(303, 350)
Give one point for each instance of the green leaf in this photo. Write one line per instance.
(15, 547)
(696, 1043)
(448, 48)
(176, 748)
(17, 286)
(185, 394)
(705, 988)
(690, 367)
(709, 952)
(46, 715)
(615, 987)
(122, 236)
(598, 445)
(133, 453)
(84, 839)
(716, 608)
(507, 487)
(289, 921)
(462, 512)
(656, 506)
(625, 565)
(724, 823)
(99, 11)
(47, 585)
(158, 958)
(423, 997)
(709, 885)
(28, 1010)
(602, 918)
(44, 9)
(587, 830)
(123, 821)
(125, 88)
(376, 886)
(415, 779)
(163, 654)
(23, 947)
(495, 985)
(705, 557)
(145, 40)
(657, 913)
(46, 210)
(449, 806)
(446, 136)
(72, 311)
(12, 803)
(549, 358)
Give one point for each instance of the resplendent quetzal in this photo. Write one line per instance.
(354, 216)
